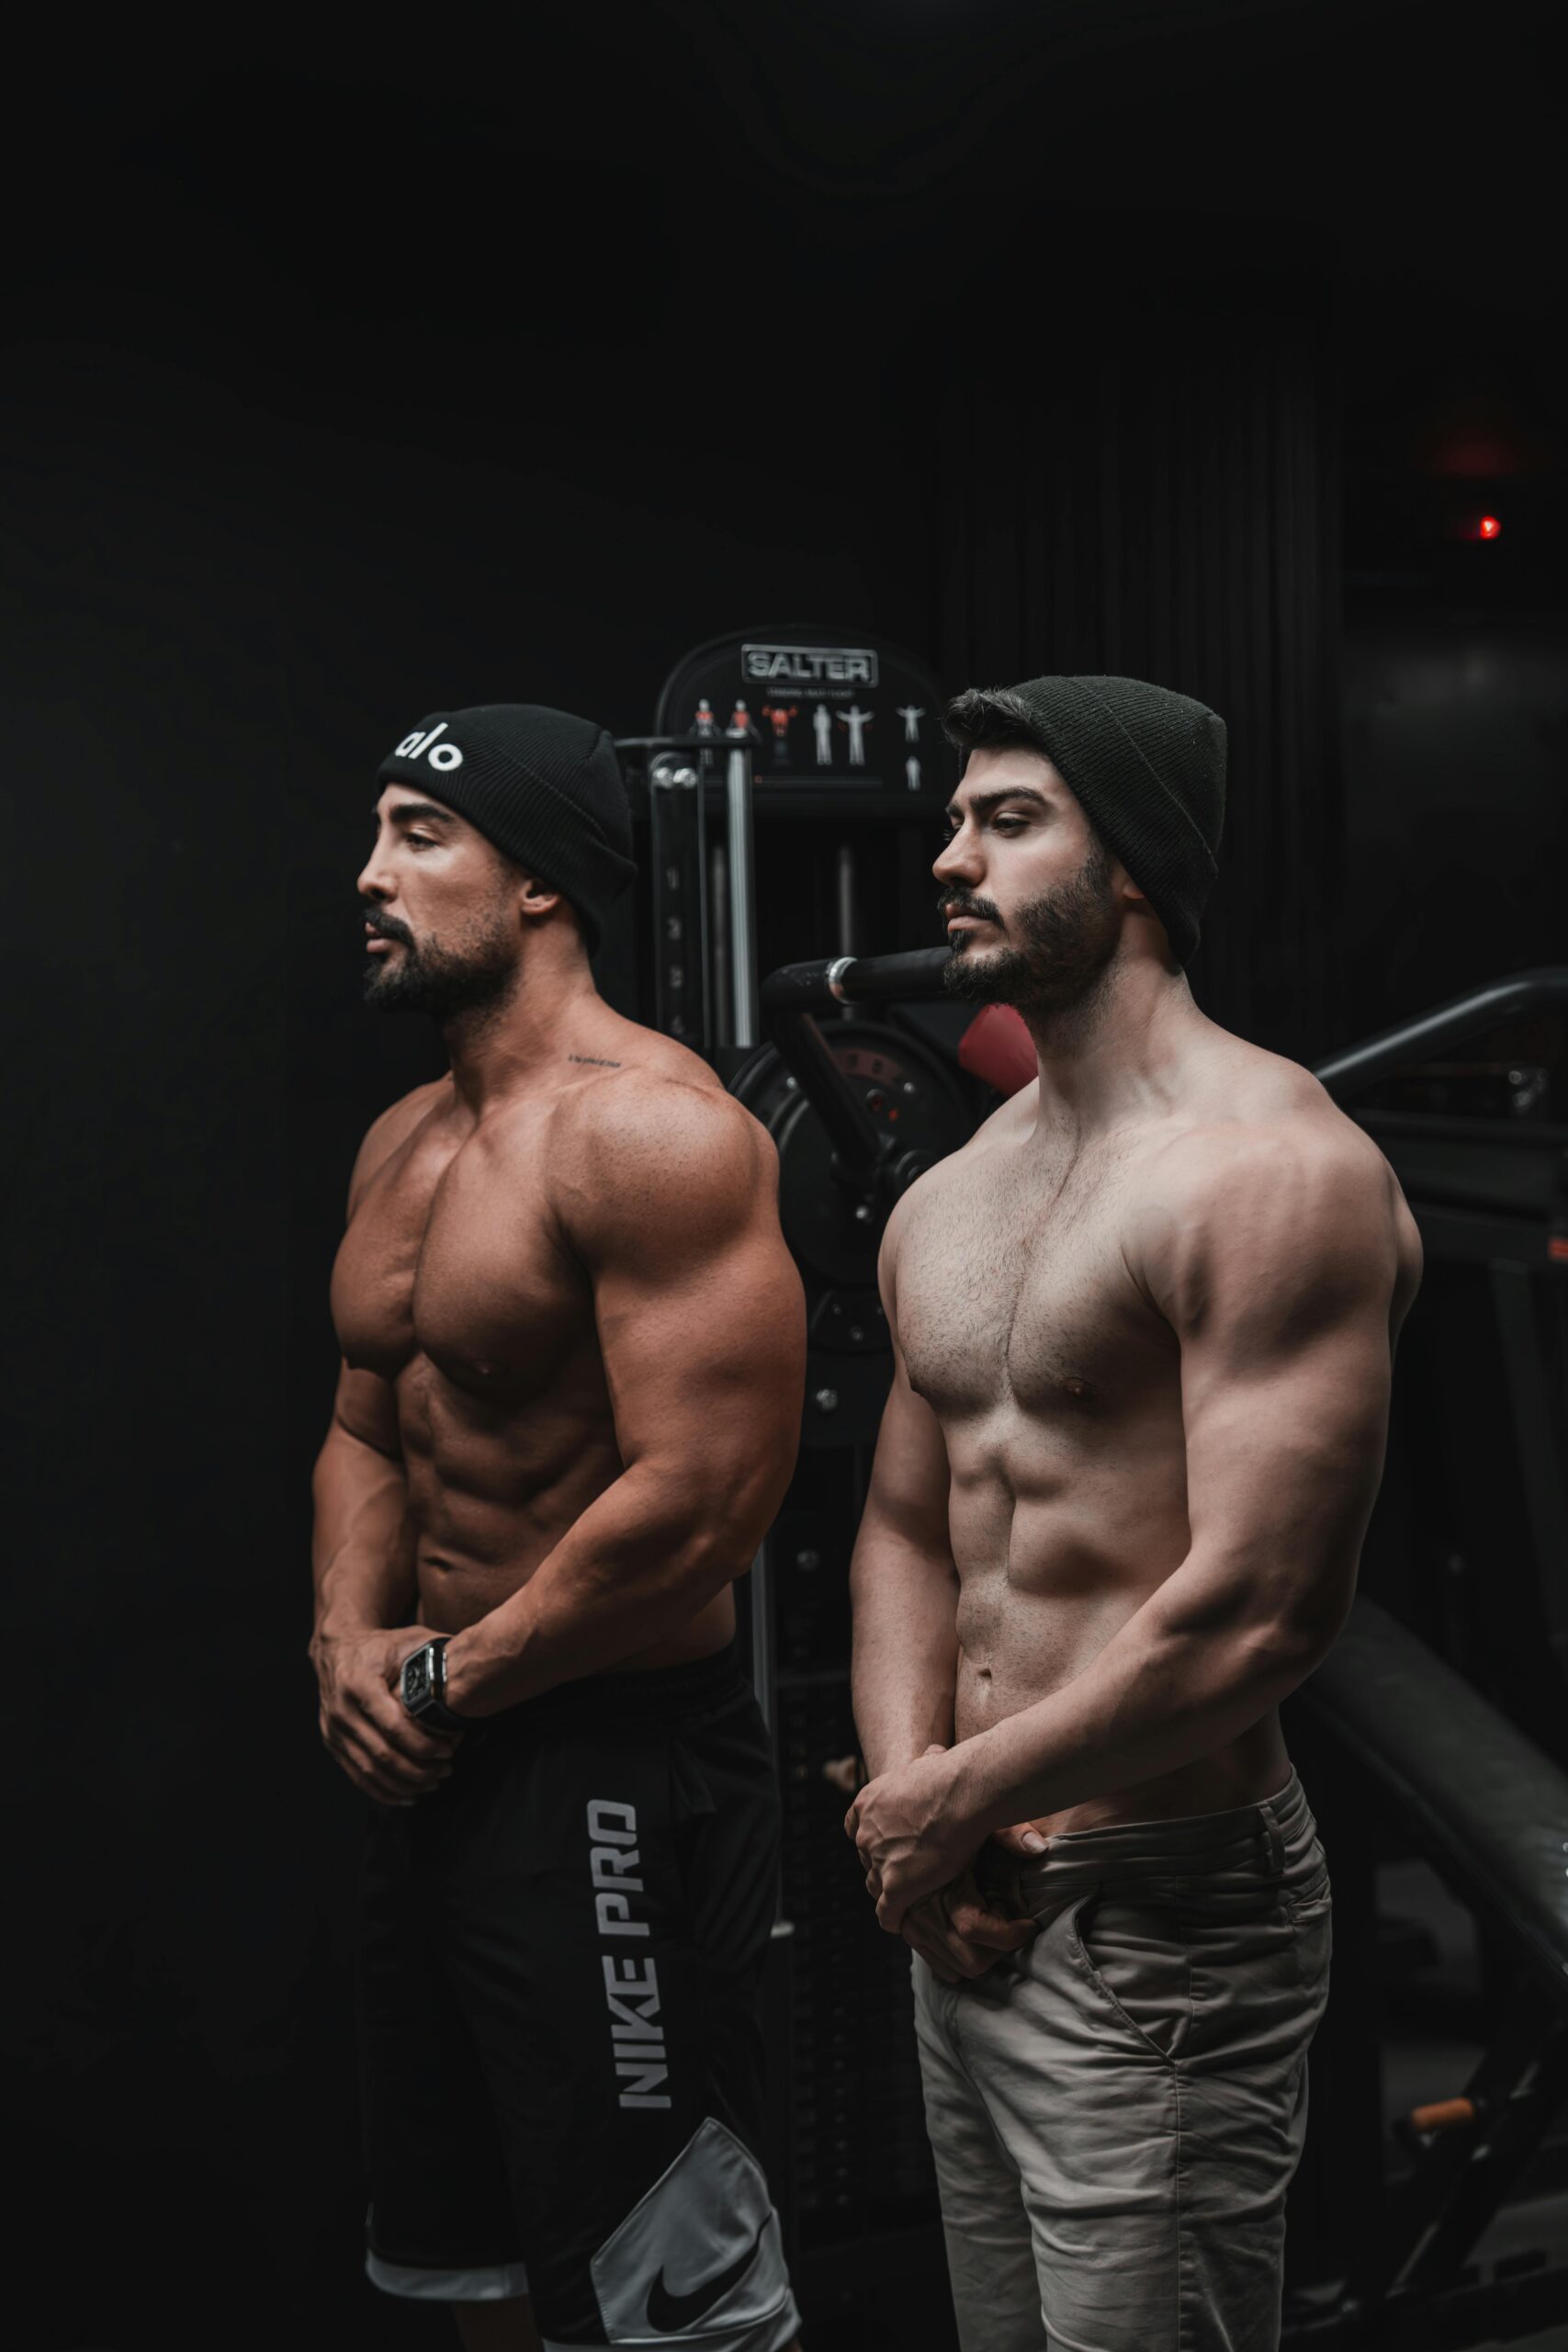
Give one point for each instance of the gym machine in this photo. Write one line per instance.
(1484, 1362)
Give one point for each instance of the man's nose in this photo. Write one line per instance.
(374, 881)
(958, 860)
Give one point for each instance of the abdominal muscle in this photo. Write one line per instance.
(1043, 1587)
(492, 1495)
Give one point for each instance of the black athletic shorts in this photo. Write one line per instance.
(561, 2052)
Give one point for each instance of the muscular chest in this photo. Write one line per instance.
(451, 1257)
(1012, 1288)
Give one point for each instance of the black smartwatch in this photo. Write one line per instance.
(422, 1687)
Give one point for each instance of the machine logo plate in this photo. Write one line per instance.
(808, 665)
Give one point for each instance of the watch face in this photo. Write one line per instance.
(416, 1676)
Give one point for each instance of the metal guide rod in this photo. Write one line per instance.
(719, 942)
(746, 1020)
(680, 900)
(844, 863)
(763, 1632)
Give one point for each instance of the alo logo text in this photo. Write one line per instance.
(440, 755)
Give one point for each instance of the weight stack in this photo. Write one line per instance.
(862, 2163)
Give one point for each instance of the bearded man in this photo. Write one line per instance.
(1144, 1326)
(556, 1443)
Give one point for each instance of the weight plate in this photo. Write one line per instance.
(834, 1234)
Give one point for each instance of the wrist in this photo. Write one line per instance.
(979, 1800)
(332, 1632)
(472, 1678)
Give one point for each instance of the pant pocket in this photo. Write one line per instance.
(1312, 1941)
(1135, 1958)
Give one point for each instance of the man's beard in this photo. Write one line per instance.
(477, 975)
(1068, 936)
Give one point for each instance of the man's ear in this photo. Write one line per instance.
(1123, 886)
(535, 897)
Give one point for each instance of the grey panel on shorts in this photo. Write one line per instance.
(698, 2260)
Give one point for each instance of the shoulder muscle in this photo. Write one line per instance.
(1277, 1231)
(663, 1167)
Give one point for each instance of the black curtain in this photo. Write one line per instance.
(1159, 497)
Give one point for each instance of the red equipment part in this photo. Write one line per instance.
(997, 1046)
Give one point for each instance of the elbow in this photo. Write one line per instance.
(742, 1509)
(714, 1524)
(746, 1496)
(1277, 1655)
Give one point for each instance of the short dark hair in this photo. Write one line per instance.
(993, 719)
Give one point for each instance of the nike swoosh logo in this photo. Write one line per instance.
(669, 2312)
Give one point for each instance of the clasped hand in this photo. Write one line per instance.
(919, 1854)
(363, 1722)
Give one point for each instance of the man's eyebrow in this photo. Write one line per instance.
(982, 801)
(406, 811)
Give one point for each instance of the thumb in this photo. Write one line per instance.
(398, 1643)
(1022, 1838)
(1000, 1934)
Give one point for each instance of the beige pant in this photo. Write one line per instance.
(1116, 2111)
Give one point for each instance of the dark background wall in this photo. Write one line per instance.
(1046, 336)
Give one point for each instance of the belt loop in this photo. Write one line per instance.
(1276, 1838)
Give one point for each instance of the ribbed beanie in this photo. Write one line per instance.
(544, 786)
(1149, 768)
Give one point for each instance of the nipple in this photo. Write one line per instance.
(1074, 1386)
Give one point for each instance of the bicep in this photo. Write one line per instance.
(1284, 1455)
(1285, 1375)
(713, 1342)
(910, 1480)
(700, 1313)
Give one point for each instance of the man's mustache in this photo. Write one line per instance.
(387, 926)
(948, 906)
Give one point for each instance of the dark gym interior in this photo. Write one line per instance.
(351, 378)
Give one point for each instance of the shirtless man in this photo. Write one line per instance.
(1144, 1326)
(557, 1439)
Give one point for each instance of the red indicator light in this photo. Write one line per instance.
(1490, 528)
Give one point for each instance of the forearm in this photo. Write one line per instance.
(362, 1549)
(906, 1648)
(1163, 1691)
(636, 1565)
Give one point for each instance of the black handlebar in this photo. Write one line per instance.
(1447, 1025)
(914, 978)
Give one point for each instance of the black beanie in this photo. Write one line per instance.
(1149, 768)
(544, 786)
